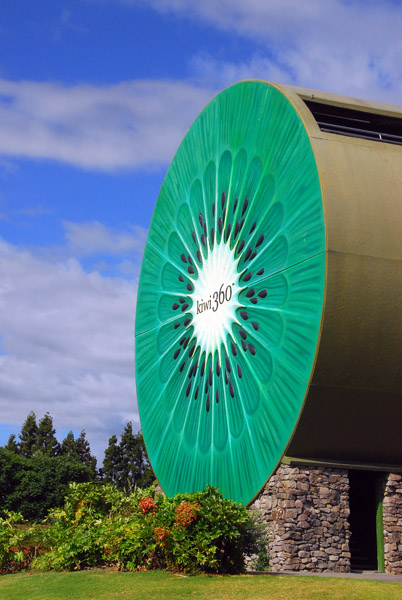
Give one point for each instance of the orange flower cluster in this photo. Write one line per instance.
(160, 533)
(147, 505)
(186, 513)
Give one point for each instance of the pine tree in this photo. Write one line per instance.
(12, 445)
(28, 436)
(111, 461)
(68, 446)
(46, 440)
(83, 451)
(128, 458)
(79, 449)
(127, 464)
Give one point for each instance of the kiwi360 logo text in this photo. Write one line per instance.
(215, 299)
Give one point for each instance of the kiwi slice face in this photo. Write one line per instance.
(230, 296)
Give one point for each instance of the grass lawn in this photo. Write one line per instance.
(158, 585)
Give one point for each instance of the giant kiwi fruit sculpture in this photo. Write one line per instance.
(231, 296)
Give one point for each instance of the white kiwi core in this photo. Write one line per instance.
(215, 298)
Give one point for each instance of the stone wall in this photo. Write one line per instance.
(392, 522)
(306, 510)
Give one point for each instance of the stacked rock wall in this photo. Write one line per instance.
(306, 510)
(392, 522)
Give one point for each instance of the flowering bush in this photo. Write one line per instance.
(101, 526)
(16, 546)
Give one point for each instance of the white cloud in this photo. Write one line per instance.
(127, 125)
(348, 47)
(92, 238)
(67, 343)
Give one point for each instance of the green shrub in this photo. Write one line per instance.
(99, 525)
(17, 543)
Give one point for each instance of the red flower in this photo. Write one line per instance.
(186, 513)
(147, 505)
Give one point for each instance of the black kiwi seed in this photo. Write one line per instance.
(182, 340)
(186, 321)
(196, 392)
(182, 300)
(260, 240)
(193, 236)
(223, 199)
(241, 223)
(244, 315)
(208, 403)
(254, 300)
(243, 334)
(181, 278)
(190, 260)
(251, 348)
(205, 230)
(220, 224)
(233, 347)
(228, 231)
(201, 220)
(235, 204)
(254, 254)
(177, 325)
(263, 293)
(190, 287)
(255, 325)
(190, 270)
(176, 354)
(182, 366)
(224, 214)
(175, 306)
(239, 371)
(188, 389)
(199, 256)
(228, 367)
(231, 389)
(186, 341)
(244, 345)
(217, 395)
(253, 226)
(212, 235)
(184, 258)
(210, 376)
(247, 277)
(190, 373)
(260, 272)
(206, 385)
(184, 307)
(203, 240)
(248, 254)
(203, 367)
(241, 246)
(250, 293)
(245, 203)
(218, 368)
(226, 377)
(237, 229)
(191, 351)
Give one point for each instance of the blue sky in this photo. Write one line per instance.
(95, 96)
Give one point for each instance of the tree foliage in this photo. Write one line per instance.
(46, 441)
(36, 470)
(28, 436)
(126, 464)
(34, 485)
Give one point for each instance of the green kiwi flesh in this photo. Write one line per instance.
(230, 296)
